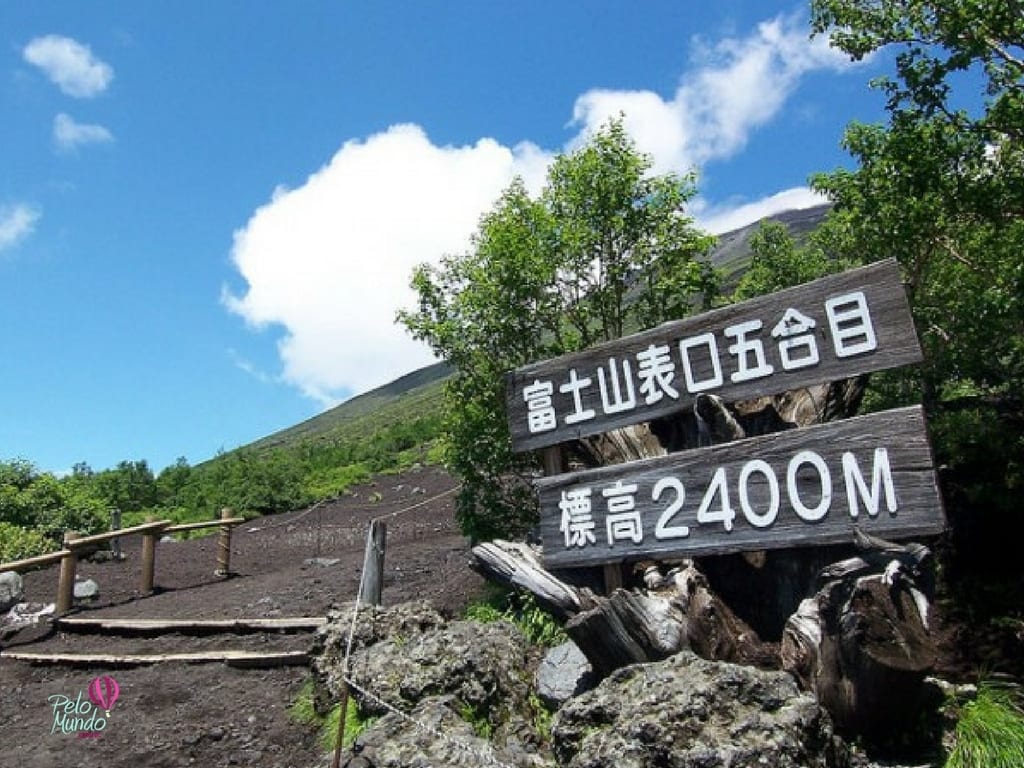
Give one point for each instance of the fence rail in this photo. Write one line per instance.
(150, 531)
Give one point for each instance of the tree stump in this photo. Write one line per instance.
(862, 643)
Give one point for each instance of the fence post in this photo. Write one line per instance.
(115, 525)
(224, 546)
(373, 563)
(148, 559)
(66, 584)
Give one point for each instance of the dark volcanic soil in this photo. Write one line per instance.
(176, 714)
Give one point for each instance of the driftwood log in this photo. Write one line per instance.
(673, 612)
(862, 643)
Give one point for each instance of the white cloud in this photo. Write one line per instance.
(69, 135)
(725, 218)
(70, 65)
(330, 261)
(737, 86)
(17, 222)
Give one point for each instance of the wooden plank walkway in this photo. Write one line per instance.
(232, 658)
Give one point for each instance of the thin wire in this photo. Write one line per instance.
(423, 726)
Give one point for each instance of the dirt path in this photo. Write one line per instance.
(211, 714)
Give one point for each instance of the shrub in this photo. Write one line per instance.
(17, 543)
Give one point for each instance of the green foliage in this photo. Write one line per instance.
(521, 609)
(39, 502)
(17, 543)
(777, 263)
(542, 716)
(478, 718)
(941, 188)
(604, 247)
(303, 711)
(990, 730)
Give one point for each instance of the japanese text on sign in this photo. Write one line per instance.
(807, 486)
(835, 327)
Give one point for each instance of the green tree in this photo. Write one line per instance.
(37, 501)
(778, 262)
(605, 248)
(130, 486)
(941, 188)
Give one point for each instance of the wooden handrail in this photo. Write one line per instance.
(206, 524)
(98, 538)
(28, 562)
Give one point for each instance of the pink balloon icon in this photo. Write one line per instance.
(103, 692)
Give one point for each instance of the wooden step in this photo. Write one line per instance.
(232, 658)
(189, 626)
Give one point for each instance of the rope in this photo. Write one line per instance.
(396, 513)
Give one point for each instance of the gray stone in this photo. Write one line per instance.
(564, 673)
(394, 742)
(479, 664)
(86, 590)
(687, 712)
(12, 590)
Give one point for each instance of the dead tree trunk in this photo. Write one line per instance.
(675, 612)
(862, 644)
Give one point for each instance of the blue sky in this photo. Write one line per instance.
(209, 211)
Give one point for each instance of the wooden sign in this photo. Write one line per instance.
(797, 488)
(833, 328)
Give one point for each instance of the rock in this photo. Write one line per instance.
(479, 664)
(688, 712)
(394, 742)
(12, 590)
(564, 673)
(86, 590)
(375, 623)
(24, 615)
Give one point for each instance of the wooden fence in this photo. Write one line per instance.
(75, 545)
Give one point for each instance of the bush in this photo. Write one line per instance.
(17, 543)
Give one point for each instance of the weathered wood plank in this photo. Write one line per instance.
(198, 626)
(231, 521)
(31, 562)
(861, 323)
(230, 657)
(783, 490)
(99, 538)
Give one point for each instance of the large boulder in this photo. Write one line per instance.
(482, 667)
(434, 735)
(687, 712)
(11, 590)
(374, 624)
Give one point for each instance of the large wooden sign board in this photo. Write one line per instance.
(804, 487)
(833, 328)
(797, 488)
